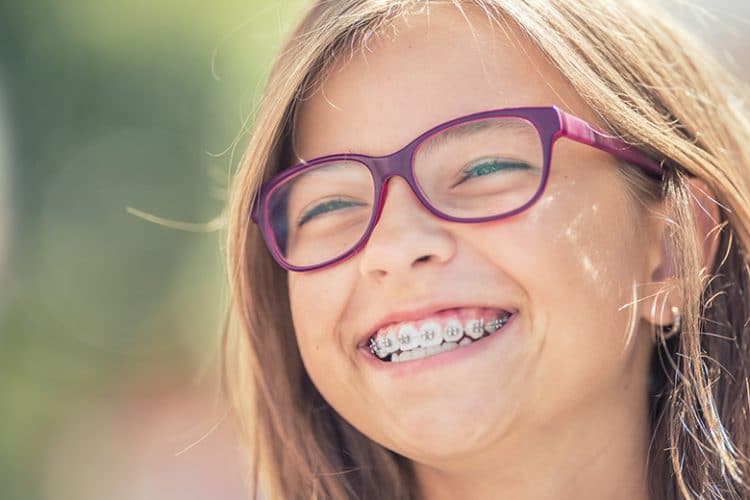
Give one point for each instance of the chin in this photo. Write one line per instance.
(446, 428)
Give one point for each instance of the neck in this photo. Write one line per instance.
(599, 451)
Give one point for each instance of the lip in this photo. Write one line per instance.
(420, 312)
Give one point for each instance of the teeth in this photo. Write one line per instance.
(374, 347)
(453, 330)
(391, 341)
(431, 334)
(496, 324)
(423, 352)
(449, 346)
(408, 337)
(384, 345)
(474, 328)
(429, 338)
(433, 349)
(417, 353)
(381, 344)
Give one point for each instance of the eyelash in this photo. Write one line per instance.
(315, 211)
(326, 206)
(515, 164)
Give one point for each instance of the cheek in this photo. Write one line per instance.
(576, 256)
(595, 265)
(317, 301)
(591, 242)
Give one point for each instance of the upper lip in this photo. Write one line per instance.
(419, 312)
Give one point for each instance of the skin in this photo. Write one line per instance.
(558, 409)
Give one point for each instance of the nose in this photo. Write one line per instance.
(406, 237)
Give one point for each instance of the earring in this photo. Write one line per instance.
(674, 329)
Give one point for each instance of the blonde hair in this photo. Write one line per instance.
(654, 86)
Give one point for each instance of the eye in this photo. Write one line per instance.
(326, 207)
(486, 167)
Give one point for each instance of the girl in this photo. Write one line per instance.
(493, 249)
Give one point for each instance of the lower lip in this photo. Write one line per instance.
(436, 361)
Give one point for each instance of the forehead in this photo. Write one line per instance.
(426, 68)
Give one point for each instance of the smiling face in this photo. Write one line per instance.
(566, 267)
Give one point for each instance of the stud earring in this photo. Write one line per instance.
(674, 329)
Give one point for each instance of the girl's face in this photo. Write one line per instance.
(568, 268)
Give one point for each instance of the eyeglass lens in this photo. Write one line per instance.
(478, 169)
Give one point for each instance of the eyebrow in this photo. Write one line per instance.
(466, 129)
(333, 166)
(313, 177)
(458, 132)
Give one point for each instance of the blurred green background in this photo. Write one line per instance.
(109, 323)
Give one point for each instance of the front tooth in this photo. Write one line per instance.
(408, 337)
(394, 357)
(453, 330)
(465, 341)
(474, 328)
(430, 333)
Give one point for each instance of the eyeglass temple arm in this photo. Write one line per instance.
(578, 130)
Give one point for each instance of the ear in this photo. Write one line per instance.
(661, 293)
(707, 220)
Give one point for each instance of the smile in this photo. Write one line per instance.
(415, 340)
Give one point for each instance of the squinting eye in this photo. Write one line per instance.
(492, 166)
(325, 207)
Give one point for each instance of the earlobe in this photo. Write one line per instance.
(661, 296)
(656, 292)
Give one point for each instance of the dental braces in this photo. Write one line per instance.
(477, 327)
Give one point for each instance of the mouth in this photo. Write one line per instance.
(442, 332)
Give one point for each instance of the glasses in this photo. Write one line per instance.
(477, 168)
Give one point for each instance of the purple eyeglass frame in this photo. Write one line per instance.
(550, 122)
